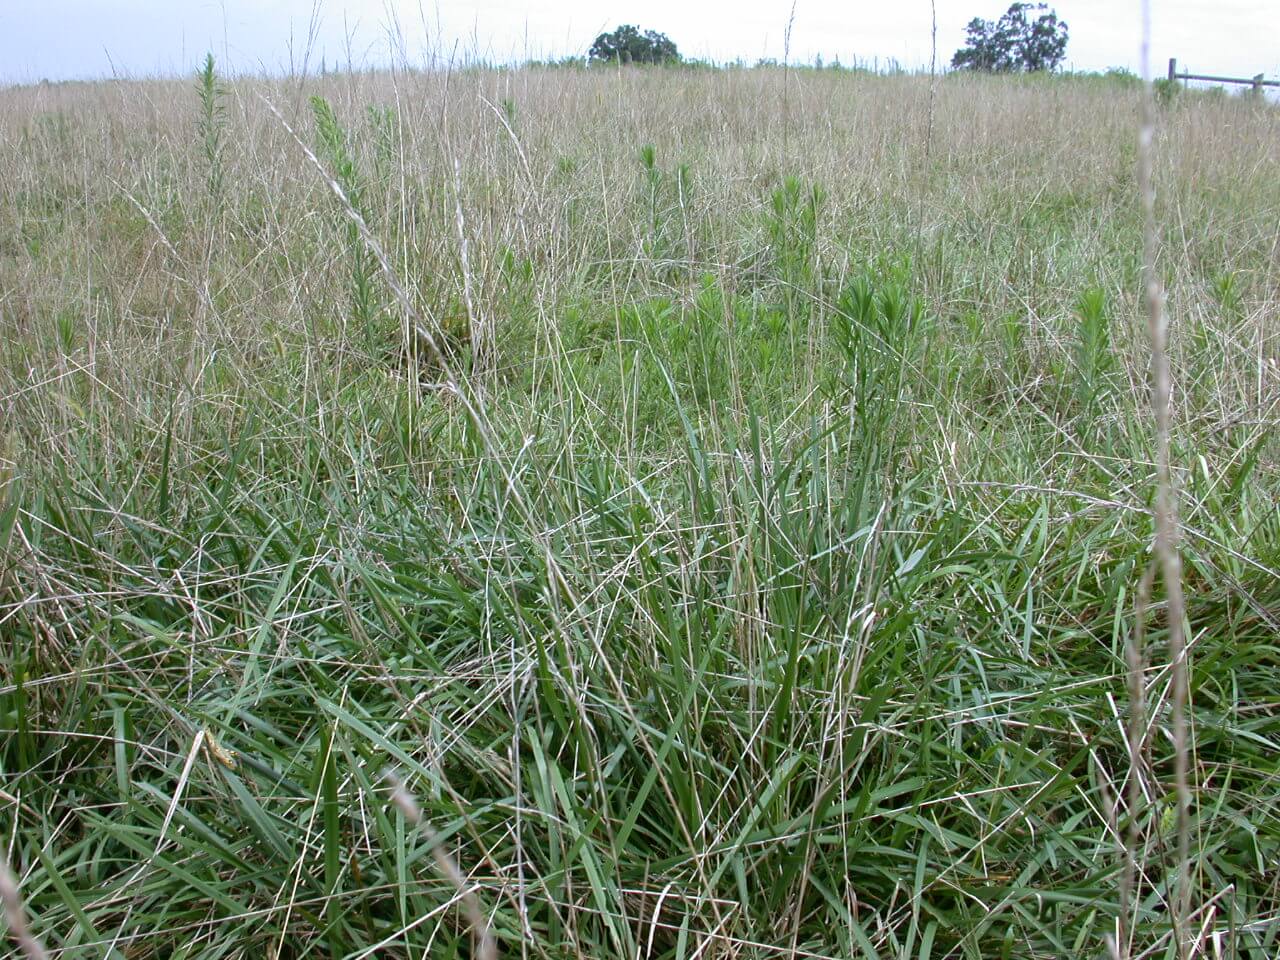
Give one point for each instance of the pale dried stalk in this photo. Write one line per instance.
(16, 916)
(486, 948)
(481, 332)
(1166, 514)
(1135, 734)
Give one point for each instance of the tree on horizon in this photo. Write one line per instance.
(628, 44)
(1015, 43)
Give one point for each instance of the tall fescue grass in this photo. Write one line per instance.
(638, 532)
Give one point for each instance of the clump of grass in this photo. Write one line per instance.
(668, 196)
(876, 326)
(791, 224)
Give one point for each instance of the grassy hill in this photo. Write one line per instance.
(722, 500)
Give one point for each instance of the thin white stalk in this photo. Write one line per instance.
(1166, 542)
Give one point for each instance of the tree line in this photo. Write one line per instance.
(1017, 42)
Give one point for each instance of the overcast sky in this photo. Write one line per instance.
(66, 39)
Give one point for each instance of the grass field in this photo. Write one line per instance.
(722, 500)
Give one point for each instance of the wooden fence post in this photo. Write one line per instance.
(1257, 85)
(1173, 69)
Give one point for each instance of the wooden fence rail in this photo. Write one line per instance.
(1257, 82)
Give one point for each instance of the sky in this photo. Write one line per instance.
(79, 39)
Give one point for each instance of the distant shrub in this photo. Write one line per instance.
(628, 45)
(1014, 43)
